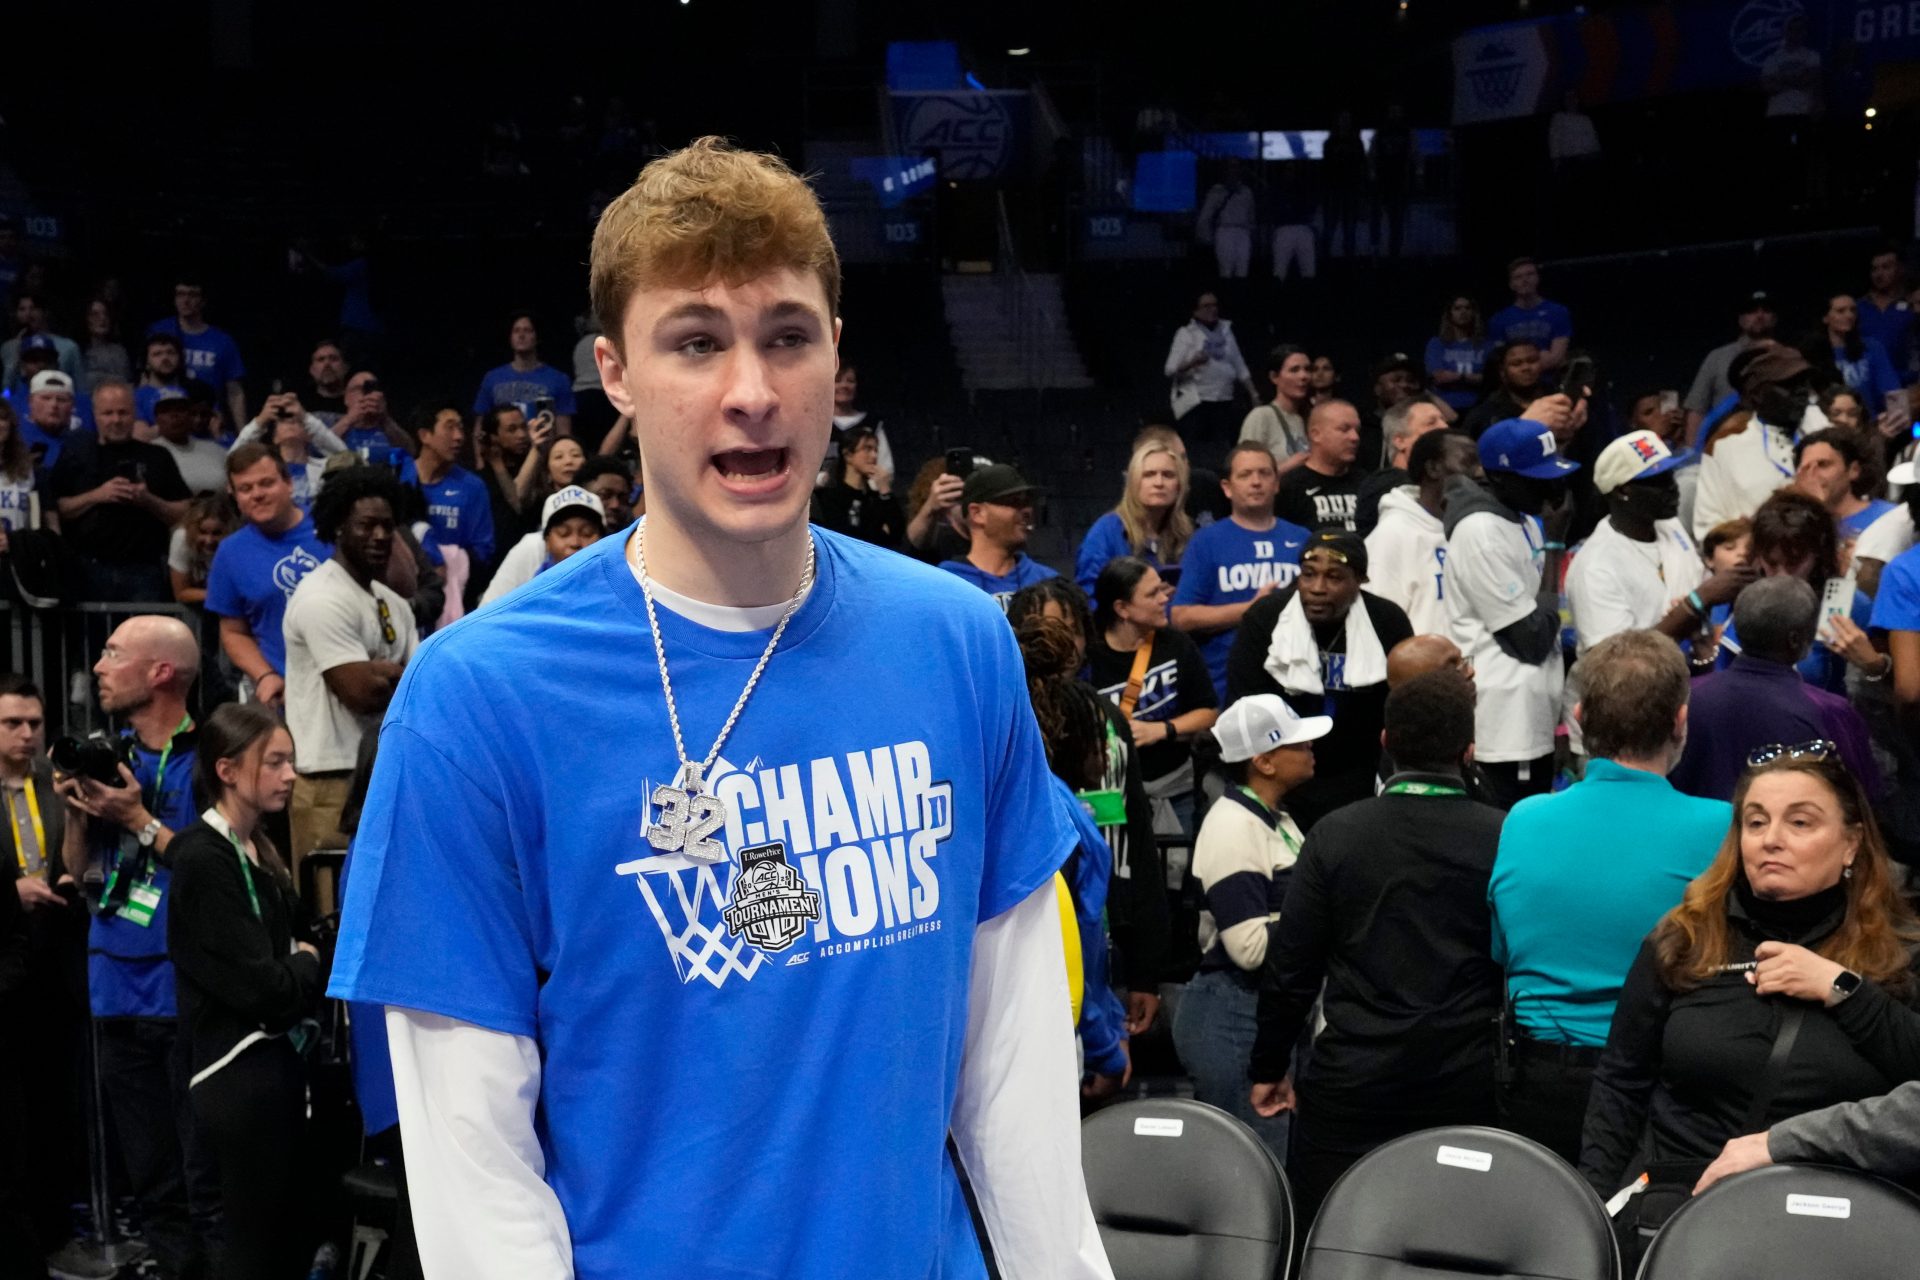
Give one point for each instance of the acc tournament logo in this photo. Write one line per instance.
(1757, 29)
(973, 132)
(771, 908)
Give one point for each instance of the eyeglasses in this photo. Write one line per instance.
(1818, 749)
(387, 632)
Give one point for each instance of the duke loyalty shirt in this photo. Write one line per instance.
(749, 1066)
(1228, 563)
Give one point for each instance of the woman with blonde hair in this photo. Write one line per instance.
(1783, 982)
(1150, 522)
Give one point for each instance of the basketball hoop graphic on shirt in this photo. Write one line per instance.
(686, 900)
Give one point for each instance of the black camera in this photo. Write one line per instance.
(97, 756)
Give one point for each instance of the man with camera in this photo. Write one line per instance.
(119, 499)
(126, 796)
(367, 425)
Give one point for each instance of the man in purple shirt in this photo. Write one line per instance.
(1761, 701)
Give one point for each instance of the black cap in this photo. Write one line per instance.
(1344, 543)
(1399, 362)
(1754, 301)
(994, 483)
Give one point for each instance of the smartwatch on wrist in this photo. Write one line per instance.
(1845, 985)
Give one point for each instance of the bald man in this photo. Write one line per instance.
(1325, 489)
(115, 846)
(1417, 655)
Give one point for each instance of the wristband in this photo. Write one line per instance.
(1695, 603)
(1170, 730)
(1554, 546)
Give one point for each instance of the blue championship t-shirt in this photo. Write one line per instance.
(749, 1067)
(1228, 563)
(253, 576)
(128, 973)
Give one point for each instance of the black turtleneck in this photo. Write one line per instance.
(1787, 919)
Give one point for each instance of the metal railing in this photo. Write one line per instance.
(57, 649)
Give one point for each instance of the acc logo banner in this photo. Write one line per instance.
(977, 134)
(1499, 72)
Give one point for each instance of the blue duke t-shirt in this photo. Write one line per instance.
(1001, 586)
(1539, 325)
(1228, 563)
(1897, 608)
(746, 1073)
(212, 355)
(458, 507)
(508, 385)
(253, 576)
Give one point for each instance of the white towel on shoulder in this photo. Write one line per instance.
(1293, 659)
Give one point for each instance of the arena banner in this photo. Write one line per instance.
(1526, 68)
(978, 134)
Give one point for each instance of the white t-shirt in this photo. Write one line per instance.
(1742, 472)
(1617, 584)
(1405, 555)
(332, 621)
(202, 463)
(1490, 581)
(1792, 101)
(1886, 537)
(19, 505)
(521, 565)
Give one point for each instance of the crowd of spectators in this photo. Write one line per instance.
(1396, 675)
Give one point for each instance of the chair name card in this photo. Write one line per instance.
(1461, 1158)
(1158, 1127)
(1820, 1206)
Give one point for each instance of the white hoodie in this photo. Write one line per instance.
(1405, 555)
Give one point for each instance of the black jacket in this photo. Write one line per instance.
(1680, 1070)
(1347, 760)
(234, 974)
(860, 513)
(1388, 906)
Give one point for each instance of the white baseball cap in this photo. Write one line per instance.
(1260, 722)
(1636, 455)
(50, 380)
(571, 498)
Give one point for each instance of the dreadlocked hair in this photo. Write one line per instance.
(1073, 724)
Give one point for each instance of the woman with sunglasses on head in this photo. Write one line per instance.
(1783, 982)
(246, 978)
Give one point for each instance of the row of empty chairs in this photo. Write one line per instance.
(1184, 1191)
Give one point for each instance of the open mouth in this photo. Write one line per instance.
(753, 470)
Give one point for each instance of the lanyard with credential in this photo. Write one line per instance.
(39, 831)
(246, 872)
(159, 781)
(1423, 789)
(1293, 846)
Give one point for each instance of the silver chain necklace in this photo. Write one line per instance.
(688, 814)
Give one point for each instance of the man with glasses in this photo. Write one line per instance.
(1760, 702)
(348, 635)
